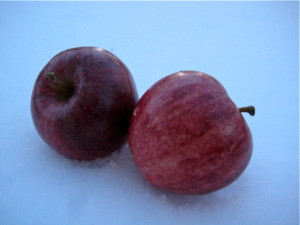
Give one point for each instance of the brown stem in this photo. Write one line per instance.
(51, 76)
(64, 88)
(248, 109)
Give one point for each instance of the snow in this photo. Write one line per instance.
(250, 47)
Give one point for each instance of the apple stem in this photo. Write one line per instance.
(248, 109)
(65, 89)
(52, 77)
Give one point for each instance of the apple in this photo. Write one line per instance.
(187, 136)
(82, 101)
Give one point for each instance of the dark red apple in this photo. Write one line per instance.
(187, 136)
(82, 102)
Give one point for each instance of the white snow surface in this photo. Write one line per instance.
(250, 47)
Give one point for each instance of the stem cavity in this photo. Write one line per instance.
(64, 88)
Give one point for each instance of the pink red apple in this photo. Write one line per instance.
(187, 136)
(82, 101)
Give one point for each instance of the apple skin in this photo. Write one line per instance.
(187, 136)
(92, 120)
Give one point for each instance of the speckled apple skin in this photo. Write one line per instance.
(94, 122)
(187, 136)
